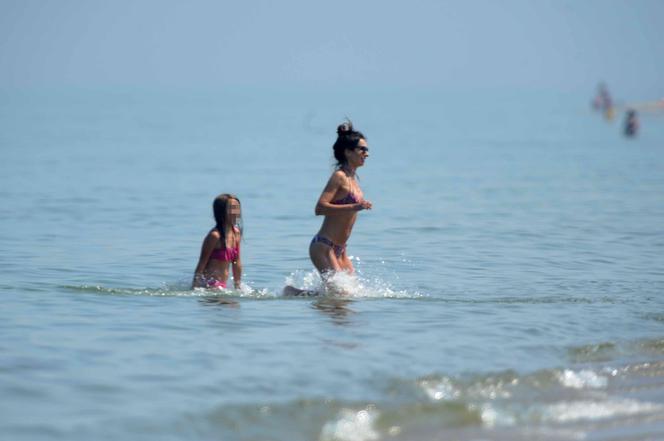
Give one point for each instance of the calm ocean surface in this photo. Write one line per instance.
(511, 273)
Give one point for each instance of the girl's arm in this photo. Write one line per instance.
(237, 264)
(237, 272)
(324, 205)
(206, 250)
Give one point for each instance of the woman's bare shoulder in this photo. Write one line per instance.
(340, 174)
(338, 177)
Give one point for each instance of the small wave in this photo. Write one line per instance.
(501, 402)
(471, 389)
(352, 425)
(566, 412)
(492, 417)
(506, 385)
(607, 351)
(293, 420)
(583, 379)
(174, 291)
(594, 352)
(558, 396)
(323, 419)
(534, 300)
(653, 346)
(585, 410)
(659, 317)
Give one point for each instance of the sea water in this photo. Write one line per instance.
(509, 277)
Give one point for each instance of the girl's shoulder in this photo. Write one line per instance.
(212, 238)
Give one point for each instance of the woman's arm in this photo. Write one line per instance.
(206, 250)
(324, 205)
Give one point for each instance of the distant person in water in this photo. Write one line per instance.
(603, 101)
(340, 201)
(221, 246)
(631, 123)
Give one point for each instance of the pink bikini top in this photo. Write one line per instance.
(227, 254)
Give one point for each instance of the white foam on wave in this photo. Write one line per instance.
(594, 410)
(584, 379)
(440, 390)
(563, 412)
(445, 389)
(492, 416)
(351, 425)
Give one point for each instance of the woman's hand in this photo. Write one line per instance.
(363, 205)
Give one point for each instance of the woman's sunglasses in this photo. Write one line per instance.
(362, 149)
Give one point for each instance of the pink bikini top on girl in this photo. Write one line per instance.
(226, 254)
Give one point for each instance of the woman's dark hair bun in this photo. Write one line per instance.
(347, 139)
(345, 128)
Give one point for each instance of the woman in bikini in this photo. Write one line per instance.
(221, 246)
(340, 201)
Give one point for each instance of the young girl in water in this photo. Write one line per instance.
(340, 202)
(221, 246)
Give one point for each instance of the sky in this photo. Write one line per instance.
(448, 45)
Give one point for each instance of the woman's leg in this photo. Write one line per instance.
(327, 264)
(345, 263)
(323, 258)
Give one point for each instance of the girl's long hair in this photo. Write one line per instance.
(220, 208)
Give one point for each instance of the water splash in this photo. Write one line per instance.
(350, 285)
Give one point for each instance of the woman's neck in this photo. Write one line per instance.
(349, 170)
